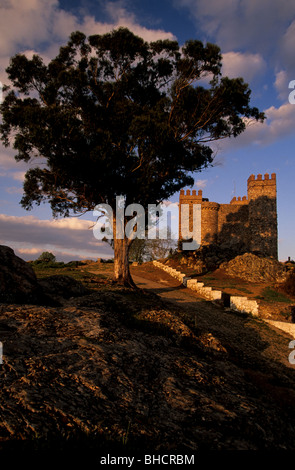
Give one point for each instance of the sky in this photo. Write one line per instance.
(257, 43)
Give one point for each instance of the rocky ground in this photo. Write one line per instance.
(119, 371)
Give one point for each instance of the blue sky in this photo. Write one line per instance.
(256, 40)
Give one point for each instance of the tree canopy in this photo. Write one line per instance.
(47, 257)
(113, 115)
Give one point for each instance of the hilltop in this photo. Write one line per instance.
(154, 370)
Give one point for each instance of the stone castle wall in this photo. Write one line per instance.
(250, 221)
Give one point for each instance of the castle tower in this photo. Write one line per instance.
(249, 222)
(209, 217)
(186, 227)
(263, 230)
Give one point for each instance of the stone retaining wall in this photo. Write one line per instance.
(238, 303)
(243, 304)
(287, 327)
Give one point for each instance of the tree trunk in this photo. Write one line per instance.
(121, 255)
(121, 263)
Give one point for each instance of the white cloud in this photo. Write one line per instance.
(281, 84)
(279, 124)
(264, 27)
(281, 121)
(10, 167)
(13, 190)
(28, 23)
(15, 175)
(29, 251)
(287, 48)
(248, 66)
(71, 223)
(201, 184)
(238, 24)
(120, 16)
(18, 175)
(70, 236)
(7, 160)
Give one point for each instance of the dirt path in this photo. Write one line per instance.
(236, 332)
(250, 338)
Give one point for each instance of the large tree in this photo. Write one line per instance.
(113, 115)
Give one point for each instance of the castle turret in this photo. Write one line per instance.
(262, 187)
(209, 217)
(262, 197)
(186, 220)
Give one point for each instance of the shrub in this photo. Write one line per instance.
(74, 264)
(46, 257)
(48, 264)
(288, 286)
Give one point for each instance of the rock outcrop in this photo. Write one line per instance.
(19, 284)
(93, 370)
(122, 368)
(255, 269)
(210, 257)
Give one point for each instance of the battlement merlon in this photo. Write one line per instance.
(266, 178)
(259, 186)
(239, 201)
(190, 197)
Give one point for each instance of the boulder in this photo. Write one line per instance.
(18, 282)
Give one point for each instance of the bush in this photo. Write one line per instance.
(48, 264)
(74, 264)
(47, 257)
(288, 286)
(271, 295)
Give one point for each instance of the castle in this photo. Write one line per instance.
(249, 221)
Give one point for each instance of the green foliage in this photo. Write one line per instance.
(137, 250)
(73, 264)
(46, 257)
(271, 295)
(115, 115)
(143, 250)
(48, 264)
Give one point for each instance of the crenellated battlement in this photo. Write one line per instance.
(266, 178)
(191, 197)
(190, 194)
(250, 220)
(239, 200)
(261, 187)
